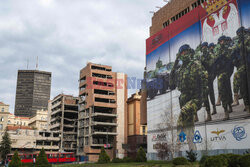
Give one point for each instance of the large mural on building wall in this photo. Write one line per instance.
(197, 77)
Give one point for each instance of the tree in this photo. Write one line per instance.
(15, 161)
(5, 145)
(103, 157)
(141, 155)
(191, 156)
(42, 160)
(163, 150)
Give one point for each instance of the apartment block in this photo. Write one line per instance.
(32, 92)
(64, 118)
(137, 127)
(102, 105)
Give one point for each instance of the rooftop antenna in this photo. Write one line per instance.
(152, 12)
(37, 63)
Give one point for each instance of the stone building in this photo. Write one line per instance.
(102, 107)
(64, 118)
(136, 126)
(39, 121)
(32, 92)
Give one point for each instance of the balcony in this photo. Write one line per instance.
(103, 123)
(103, 133)
(103, 114)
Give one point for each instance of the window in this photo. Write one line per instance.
(2, 109)
(2, 119)
(50, 156)
(68, 156)
(28, 156)
(62, 155)
(1, 126)
(143, 129)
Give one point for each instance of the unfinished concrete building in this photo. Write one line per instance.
(64, 118)
(102, 105)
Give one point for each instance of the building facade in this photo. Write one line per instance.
(185, 34)
(4, 113)
(102, 106)
(39, 121)
(136, 127)
(32, 92)
(64, 118)
(27, 140)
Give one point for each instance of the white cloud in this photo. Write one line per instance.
(66, 34)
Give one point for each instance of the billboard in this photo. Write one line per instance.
(197, 78)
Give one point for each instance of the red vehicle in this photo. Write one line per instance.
(52, 157)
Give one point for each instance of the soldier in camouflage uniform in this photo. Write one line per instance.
(223, 67)
(190, 83)
(207, 60)
(240, 77)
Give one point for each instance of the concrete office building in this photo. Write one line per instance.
(32, 92)
(102, 107)
(4, 113)
(64, 118)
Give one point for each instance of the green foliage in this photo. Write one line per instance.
(103, 157)
(215, 161)
(5, 145)
(117, 160)
(15, 161)
(180, 161)
(27, 165)
(233, 160)
(191, 156)
(244, 160)
(141, 155)
(203, 159)
(224, 158)
(127, 160)
(42, 160)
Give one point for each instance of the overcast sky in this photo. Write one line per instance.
(65, 34)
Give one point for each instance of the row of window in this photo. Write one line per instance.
(184, 12)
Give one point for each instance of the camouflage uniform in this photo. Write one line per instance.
(240, 77)
(207, 60)
(223, 67)
(189, 78)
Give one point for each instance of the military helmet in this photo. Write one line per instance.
(183, 48)
(240, 30)
(222, 38)
(204, 44)
(229, 39)
(211, 45)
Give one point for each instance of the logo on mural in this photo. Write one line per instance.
(197, 137)
(182, 136)
(219, 137)
(239, 133)
(223, 19)
(159, 137)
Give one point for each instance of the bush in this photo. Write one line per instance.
(127, 159)
(244, 160)
(214, 161)
(141, 155)
(191, 156)
(117, 160)
(42, 160)
(103, 157)
(233, 160)
(203, 160)
(224, 158)
(180, 161)
(16, 161)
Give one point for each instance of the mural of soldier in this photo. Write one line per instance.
(223, 68)
(189, 81)
(240, 77)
